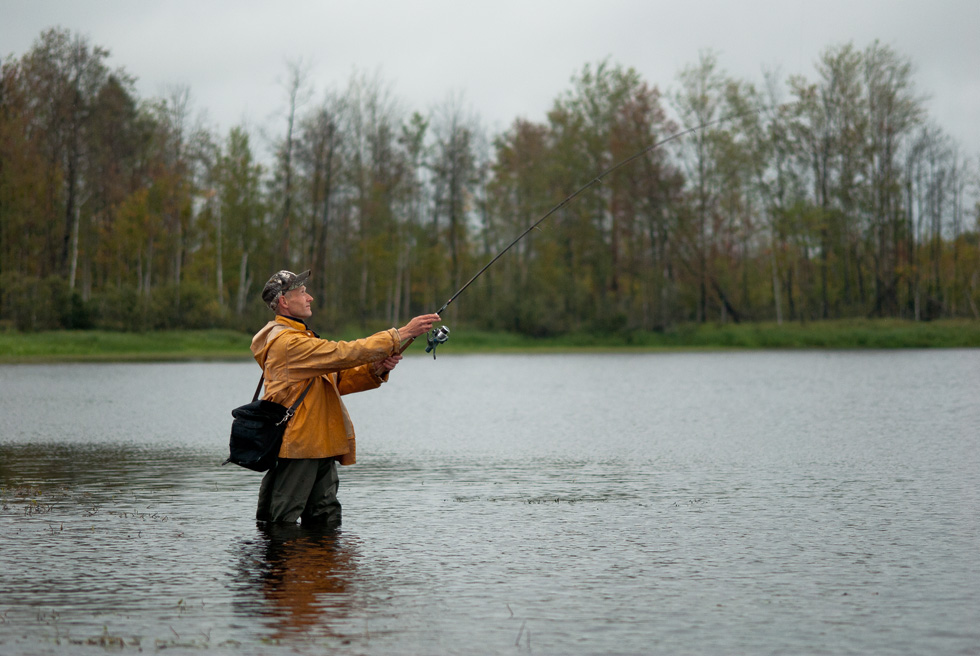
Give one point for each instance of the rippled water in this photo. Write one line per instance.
(799, 502)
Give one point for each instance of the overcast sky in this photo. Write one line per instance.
(506, 58)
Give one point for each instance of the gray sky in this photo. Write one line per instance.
(507, 58)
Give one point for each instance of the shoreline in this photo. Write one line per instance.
(231, 346)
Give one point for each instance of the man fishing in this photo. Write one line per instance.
(303, 484)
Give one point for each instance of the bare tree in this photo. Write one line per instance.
(298, 93)
(320, 158)
(454, 166)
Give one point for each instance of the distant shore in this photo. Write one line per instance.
(184, 345)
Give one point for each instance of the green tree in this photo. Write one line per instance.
(894, 111)
(243, 210)
(320, 161)
(411, 265)
(520, 192)
(713, 160)
(454, 179)
(30, 192)
(377, 180)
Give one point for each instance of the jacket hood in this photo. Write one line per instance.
(268, 334)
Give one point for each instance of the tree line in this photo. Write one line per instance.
(797, 200)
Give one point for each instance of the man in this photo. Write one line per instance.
(303, 485)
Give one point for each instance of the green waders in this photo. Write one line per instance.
(303, 489)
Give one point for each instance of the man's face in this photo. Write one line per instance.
(296, 303)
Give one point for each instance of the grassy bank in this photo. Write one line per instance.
(97, 345)
(89, 346)
(842, 334)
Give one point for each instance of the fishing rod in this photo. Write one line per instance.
(441, 335)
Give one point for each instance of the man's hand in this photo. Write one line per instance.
(384, 366)
(417, 326)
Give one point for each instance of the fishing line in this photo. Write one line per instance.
(441, 334)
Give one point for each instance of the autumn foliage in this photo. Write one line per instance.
(813, 199)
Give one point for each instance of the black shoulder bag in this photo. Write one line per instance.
(257, 430)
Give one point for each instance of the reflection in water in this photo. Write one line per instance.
(303, 578)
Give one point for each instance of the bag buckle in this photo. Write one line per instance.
(285, 417)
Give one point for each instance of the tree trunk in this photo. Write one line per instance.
(73, 266)
(244, 282)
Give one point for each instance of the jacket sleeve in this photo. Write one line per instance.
(307, 357)
(359, 379)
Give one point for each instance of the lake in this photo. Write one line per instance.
(659, 503)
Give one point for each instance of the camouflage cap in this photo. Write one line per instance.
(280, 283)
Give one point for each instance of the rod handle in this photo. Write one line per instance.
(404, 346)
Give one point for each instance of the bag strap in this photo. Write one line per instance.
(291, 409)
(255, 397)
(302, 396)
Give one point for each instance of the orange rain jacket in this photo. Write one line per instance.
(290, 355)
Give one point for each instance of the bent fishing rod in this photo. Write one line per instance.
(441, 335)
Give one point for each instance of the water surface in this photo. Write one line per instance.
(792, 502)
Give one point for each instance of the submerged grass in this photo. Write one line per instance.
(95, 346)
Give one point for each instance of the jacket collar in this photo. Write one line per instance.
(293, 322)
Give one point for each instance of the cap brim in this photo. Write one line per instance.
(300, 280)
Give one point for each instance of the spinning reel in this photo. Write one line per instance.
(439, 336)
